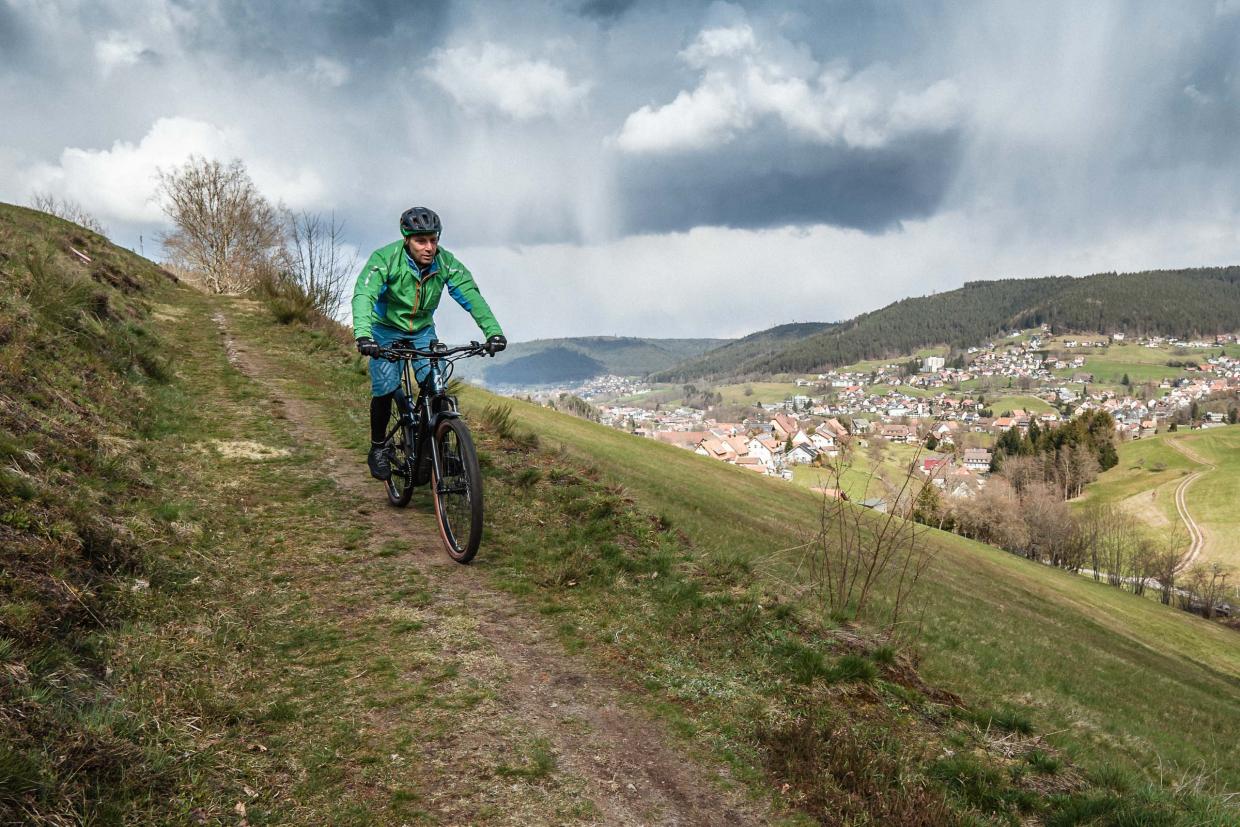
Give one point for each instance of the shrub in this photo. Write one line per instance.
(285, 298)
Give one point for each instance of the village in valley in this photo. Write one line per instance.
(854, 431)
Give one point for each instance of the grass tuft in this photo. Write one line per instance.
(852, 669)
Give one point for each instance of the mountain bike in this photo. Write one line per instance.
(431, 443)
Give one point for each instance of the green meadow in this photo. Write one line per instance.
(1032, 404)
(1149, 471)
(1113, 676)
(1140, 363)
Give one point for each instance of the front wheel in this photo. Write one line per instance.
(458, 490)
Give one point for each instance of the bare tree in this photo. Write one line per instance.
(1165, 563)
(993, 515)
(1051, 527)
(1090, 522)
(68, 209)
(855, 554)
(1142, 563)
(1118, 531)
(1082, 468)
(1022, 472)
(1207, 584)
(318, 260)
(226, 233)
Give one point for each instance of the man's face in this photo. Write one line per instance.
(422, 248)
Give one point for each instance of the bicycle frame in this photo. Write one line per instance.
(431, 390)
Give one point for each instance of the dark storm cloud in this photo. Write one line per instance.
(959, 137)
(280, 32)
(769, 182)
(13, 37)
(606, 9)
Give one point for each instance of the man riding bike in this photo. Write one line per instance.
(395, 299)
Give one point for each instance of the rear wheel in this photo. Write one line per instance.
(400, 484)
(458, 490)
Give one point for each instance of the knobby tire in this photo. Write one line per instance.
(457, 483)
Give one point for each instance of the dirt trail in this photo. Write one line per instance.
(1197, 534)
(632, 775)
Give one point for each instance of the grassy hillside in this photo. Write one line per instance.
(1006, 634)
(996, 628)
(1167, 302)
(551, 361)
(85, 393)
(1150, 470)
(211, 616)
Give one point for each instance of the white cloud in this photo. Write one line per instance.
(746, 80)
(709, 115)
(117, 50)
(719, 42)
(119, 183)
(493, 77)
(689, 284)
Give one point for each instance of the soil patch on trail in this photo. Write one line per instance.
(546, 713)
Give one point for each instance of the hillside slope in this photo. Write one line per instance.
(1004, 633)
(1165, 302)
(996, 627)
(260, 638)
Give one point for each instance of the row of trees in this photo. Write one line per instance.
(230, 239)
(69, 210)
(1069, 455)
(1023, 509)
(1163, 302)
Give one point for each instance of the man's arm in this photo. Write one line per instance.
(464, 290)
(365, 293)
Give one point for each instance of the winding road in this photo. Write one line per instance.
(1197, 535)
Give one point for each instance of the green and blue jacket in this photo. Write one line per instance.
(391, 291)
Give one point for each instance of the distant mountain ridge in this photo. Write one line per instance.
(1188, 302)
(745, 350)
(575, 359)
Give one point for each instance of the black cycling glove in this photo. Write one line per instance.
(368, 347)
(496, 343)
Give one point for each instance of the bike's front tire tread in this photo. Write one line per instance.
(458, 551)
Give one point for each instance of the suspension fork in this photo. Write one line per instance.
(404, 394)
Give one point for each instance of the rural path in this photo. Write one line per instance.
(1197, 534)
(632, 773)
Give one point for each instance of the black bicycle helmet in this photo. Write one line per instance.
(419, 221)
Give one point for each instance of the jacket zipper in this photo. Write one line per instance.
(417, 294)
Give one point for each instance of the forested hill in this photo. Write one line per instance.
(1189, 302)
(554, 361)
(752, 348)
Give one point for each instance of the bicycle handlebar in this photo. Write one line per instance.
(471, 349)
